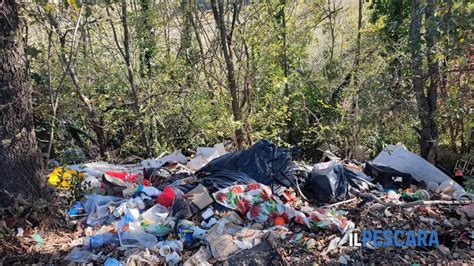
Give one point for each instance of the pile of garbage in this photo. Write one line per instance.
(259, 205)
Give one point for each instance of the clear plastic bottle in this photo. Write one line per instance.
(133, 238)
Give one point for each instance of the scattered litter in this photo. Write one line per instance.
(199, 258)
(39, 240)
(467, 211)
(200, 196)
(343, 260)
(176, 156)
(264, 162)
(214, 206)
(332, 245)
(112, 262)
(333, 182)
(80, 255)
(399, 158)
(20, 232)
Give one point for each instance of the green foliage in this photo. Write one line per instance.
(469, 185)
(79, 188)
(183, 95)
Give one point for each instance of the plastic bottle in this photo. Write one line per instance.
(120, 210)
(100, 240)
(76, 209)
(198, 232)
(185, 231)
(133, 238)
(113, 262)
(97, 206)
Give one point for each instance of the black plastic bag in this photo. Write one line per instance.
(219, 178)
(264, 163)
(334, 183)
(180, 209)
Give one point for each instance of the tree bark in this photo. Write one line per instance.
(184, 51)
(285, 65)
(131, 78)
(20, 159)
(395, 65)
(355, 76)
(226, 43)
(186, 31)
(430, 128)
(147, 44)
(426, 102)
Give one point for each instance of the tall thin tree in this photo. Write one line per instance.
(225, 37)
(425, 98)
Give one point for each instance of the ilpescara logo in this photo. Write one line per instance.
(397, 238)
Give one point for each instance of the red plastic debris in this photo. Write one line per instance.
(288, 196)
(166, 197)
(279, 220)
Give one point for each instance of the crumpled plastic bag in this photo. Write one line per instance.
(97, 207)
(333, 181)
(264, 162)
(81, 255)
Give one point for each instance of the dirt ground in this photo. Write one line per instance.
(48, 235)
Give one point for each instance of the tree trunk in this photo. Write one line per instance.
(226, 43)
(355, 76)
(20, 159)
(395, 64)
(147, 44)
(184, 51)
(186, 31)
(430, 129)
(280, 18)
(471, 141)
(332, 25)
(131, 78)
(426, 102)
